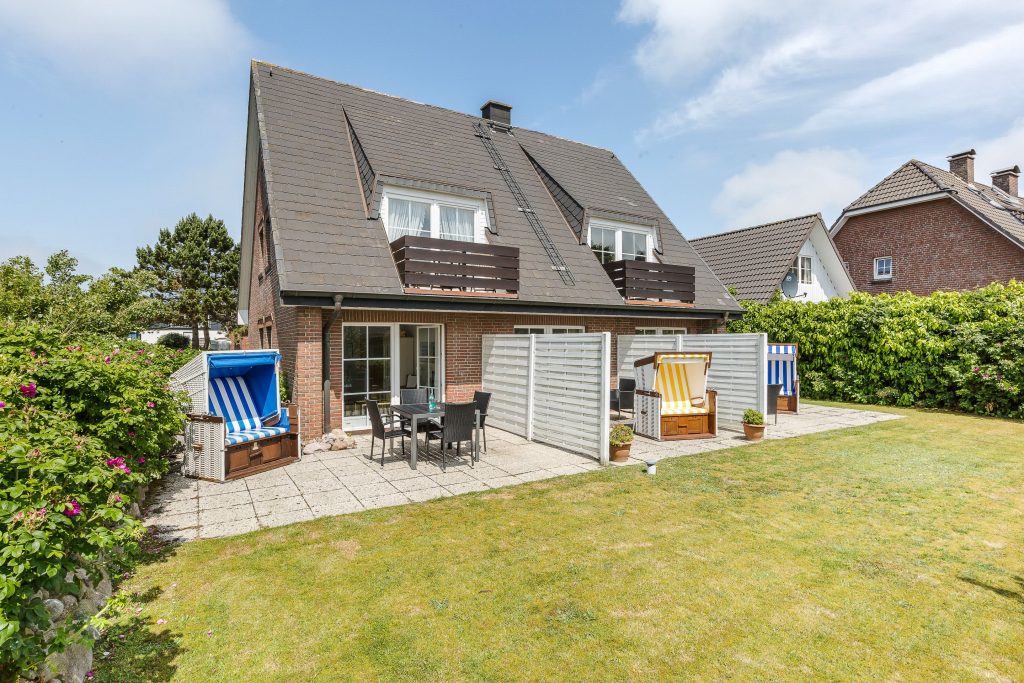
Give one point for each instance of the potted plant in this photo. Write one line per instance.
(620, 439)
(753, 424)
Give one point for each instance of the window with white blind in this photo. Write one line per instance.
(613, 241)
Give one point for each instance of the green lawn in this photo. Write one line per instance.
(887, 552)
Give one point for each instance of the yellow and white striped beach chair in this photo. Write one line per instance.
(672, 397)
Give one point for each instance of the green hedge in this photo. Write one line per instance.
(957, 350)
(83, 424)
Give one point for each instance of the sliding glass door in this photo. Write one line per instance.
(367, 367)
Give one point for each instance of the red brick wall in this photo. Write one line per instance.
(462, 334)
(936, 245)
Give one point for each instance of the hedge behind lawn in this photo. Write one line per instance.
(958, 350)
(83, 425)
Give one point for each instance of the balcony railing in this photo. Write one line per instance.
(425, 263)
(648, 280)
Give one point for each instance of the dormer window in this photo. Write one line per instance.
(424, 214)
(613, 241)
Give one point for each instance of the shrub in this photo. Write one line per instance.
(174, 340)
(955, 350)
(753, 417)
(620, 435)
(83, 425)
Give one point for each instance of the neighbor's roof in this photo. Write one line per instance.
(916, 179)
(323, 144)
(755, 260)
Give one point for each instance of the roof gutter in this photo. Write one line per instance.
(325, 359)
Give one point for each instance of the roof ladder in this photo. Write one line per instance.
(557, 263)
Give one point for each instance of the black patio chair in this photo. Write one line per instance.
(457, 426)
(408, 396)
(482, 399)
(388, 431)
(622, 398)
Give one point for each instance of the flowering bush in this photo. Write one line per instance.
(959, 350)
(82, 427)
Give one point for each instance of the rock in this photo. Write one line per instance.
(314, 447)
(338, 445)
(338, 434)
(134, 510)
(70, 602)
(54, 607)
(73, 663)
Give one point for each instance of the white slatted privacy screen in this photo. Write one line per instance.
(739, 364)
(552, 388)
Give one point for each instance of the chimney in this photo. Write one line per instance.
(497, 112)
(962, 165)
(1006, 180)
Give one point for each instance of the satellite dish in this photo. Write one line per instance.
(790, 285)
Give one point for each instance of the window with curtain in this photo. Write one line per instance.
(407, 217)
(457, 223)
(417, 213)
(615, 242)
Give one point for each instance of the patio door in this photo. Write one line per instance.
(367, 366)
(428, 358)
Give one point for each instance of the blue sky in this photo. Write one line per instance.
(118, 116)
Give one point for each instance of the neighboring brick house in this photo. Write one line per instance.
(795, 256)
(381, 238)
(924, 229)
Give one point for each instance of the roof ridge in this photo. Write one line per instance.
(471, 117)
(760, 225)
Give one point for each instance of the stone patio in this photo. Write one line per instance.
(339, 482)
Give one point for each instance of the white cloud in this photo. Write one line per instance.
(1001, 152)
(793, 183)
(968, 78)
(740, 57)
(127, 42)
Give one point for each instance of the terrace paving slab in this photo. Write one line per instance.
(347, 481)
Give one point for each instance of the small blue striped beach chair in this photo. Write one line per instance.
(782, 370)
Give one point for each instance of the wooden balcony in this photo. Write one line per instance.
(652, 281)
(436, 266)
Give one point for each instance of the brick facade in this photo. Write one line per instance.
(935, 245)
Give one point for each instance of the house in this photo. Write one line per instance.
(924, 229)
(381, 238)
(757, 261)
(218, 337)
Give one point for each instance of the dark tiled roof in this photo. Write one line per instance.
(916, 178)
(754, 260)
(325, 242)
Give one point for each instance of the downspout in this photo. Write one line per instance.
(325, 359)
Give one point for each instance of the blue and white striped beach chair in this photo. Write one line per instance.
(230, 399)
(782, 370)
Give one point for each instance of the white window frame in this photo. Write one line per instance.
(661, 330)
(619, 227)
(806, 266)
(549, 329)
(881, 276)
(436, 200)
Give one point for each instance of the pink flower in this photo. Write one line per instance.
(32, 353)
(28, 390)
(131, 435)
(976, 369)
(2, 405)
(74, 508)
(161, 621)
(89, 675)
(118, 464)
(140, 460)
(210, 632)
(106, 359)
(150, 404)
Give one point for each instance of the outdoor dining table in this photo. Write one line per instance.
(415, 412)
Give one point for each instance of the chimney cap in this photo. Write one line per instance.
(969, 153)
(499, 112)
(1012, 170)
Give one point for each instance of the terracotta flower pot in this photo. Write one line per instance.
(753, 432)
(620, 453)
